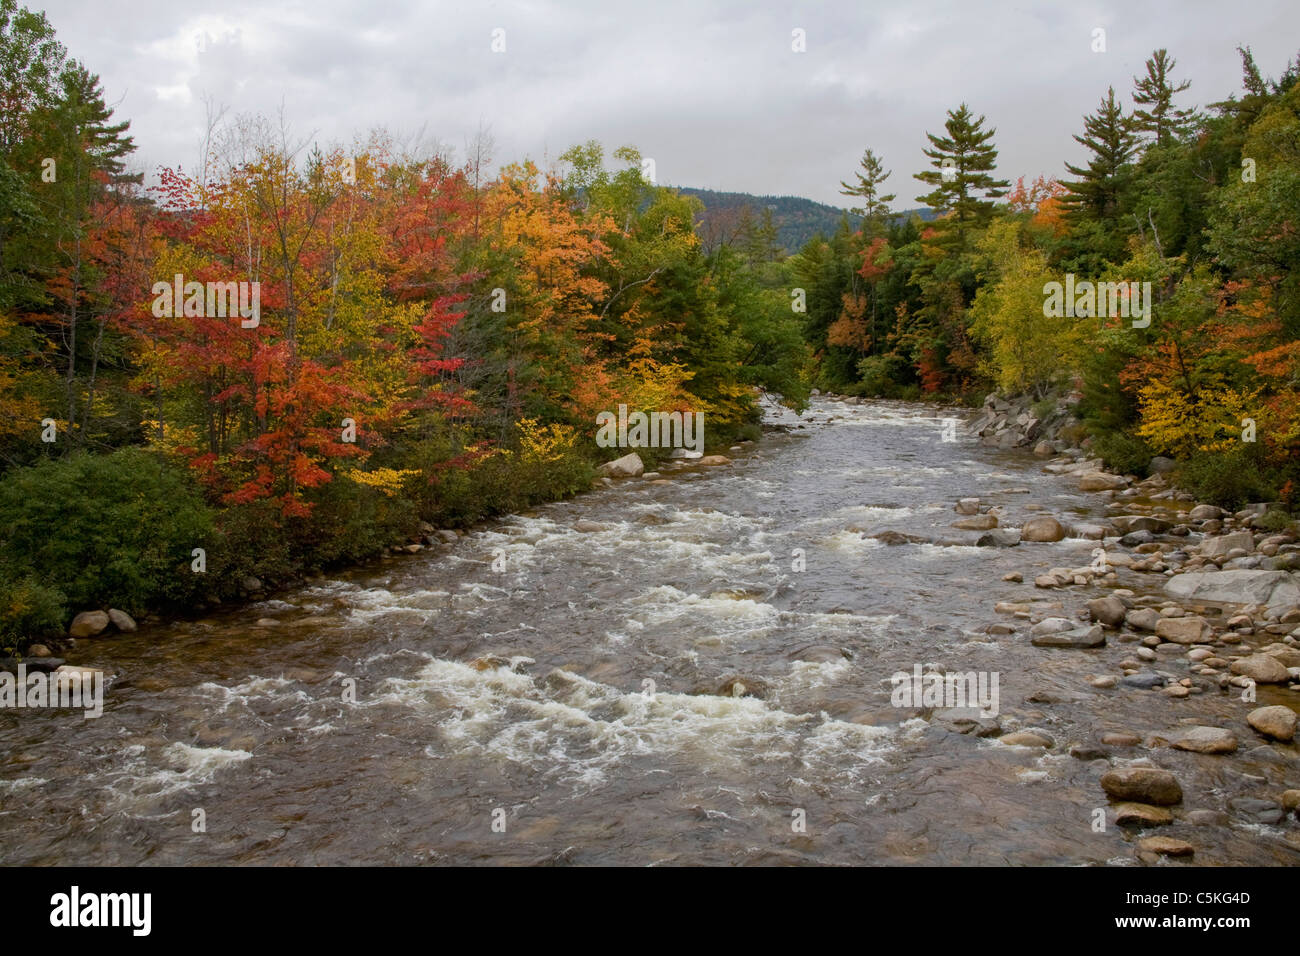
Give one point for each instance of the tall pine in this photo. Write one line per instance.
(963, 161)
(1156, 90)
(1109, 136)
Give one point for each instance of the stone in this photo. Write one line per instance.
(976, 523)
(1015, 577)
(1042, 528)
(967, 506)
(1236, 587)
(1146, 680)
(38, 650)
(1262, 669)
(89, 624)
(1026, 738)
(1142, 815)
(1142, 785)
(1108, 611)
(1183, 630)
(1221, 545)
(1143, 618)
(1278, 722)
(714, 460)
(1291, 801)
(1257, 810)
(1204, 513)
(1101, 481)
(1160, 465)
(629, 466)
(999, 538)
(1206, 740)
(1071, 636)
(1120, 739)
(1166, 846)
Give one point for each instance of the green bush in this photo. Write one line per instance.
(1274, 520)
(28, 610)
(115, 529)
(1228, 479)
(1123, 452)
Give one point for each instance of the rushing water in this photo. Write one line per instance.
(527, 691)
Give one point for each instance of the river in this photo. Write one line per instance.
(580, 705)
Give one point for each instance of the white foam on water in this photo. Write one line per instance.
(19, 784)
(850, 542)
(191, 766)
(581, 730)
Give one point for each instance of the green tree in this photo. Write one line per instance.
(875, 206)
(1157, 91)
(963, 161)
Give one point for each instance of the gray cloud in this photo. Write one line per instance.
(709, 88)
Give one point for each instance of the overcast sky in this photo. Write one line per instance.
(710, 89)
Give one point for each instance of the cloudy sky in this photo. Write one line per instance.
(710, 89)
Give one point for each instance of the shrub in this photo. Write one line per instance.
(1122, 451)
(115, 529)
(28, 610)
(1227, 478)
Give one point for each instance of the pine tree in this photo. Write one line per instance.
(1156, 90)
(1110, 137)
(875, 207)
(963, 160)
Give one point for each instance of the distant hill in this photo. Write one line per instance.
(796, 219)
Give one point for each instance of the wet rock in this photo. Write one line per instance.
(122, 621)
(976, 523)
(1120, 739)
(1146, 680)
(89, 624)
(1142, 815)
(1256, 810)
(1207, 818)
(967, 506)
(1108, 610)
(1136, 539)
(38, 650)
(1291, 801)
(1236, 587)
(1204, 513)
(897, 537)
(1042, 528)
(629, 466)
(251, 583)
(1101, 481)
(741, 687)
(1142, 618)
(1206, 740)
(1044, 449)
(1000, 538)
(589, 527)
(1278, 722)
(1060, 632)
(714, 460)
(1220, 546)
(1261, 668)
(1105, 682)
(1027, 738)
(1166, 846)
(1183, 630)
(1088, 752)
(1142, 785)
(1014, 577)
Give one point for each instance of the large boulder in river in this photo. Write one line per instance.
(1108, 611)
(967, 506)
(629, 466)
(1216, 547)
(1278, 722)
(1143, 785)
(1183, 630)
(122, 621)
(1042, 528)
(1236, 587)
(88, 624)
(1062, 632)
(1262, 669)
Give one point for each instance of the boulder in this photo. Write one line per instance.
(1236, 587)
(1143, 618)
(1262, 669)
(999, 538)
(1080, 636)
(1204, 513)
(1142, 785)
(1042, 528)
(1221, 545)
(629, 466)
(1278, 722)
(122, 621)
(1160, 465)
(1183, 630)
(1166, 846)
(967, 506)
(712, 460)
(1101, 481)
(1206, 740)
(1142, 815)
(1108, 611)
(89, 624)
